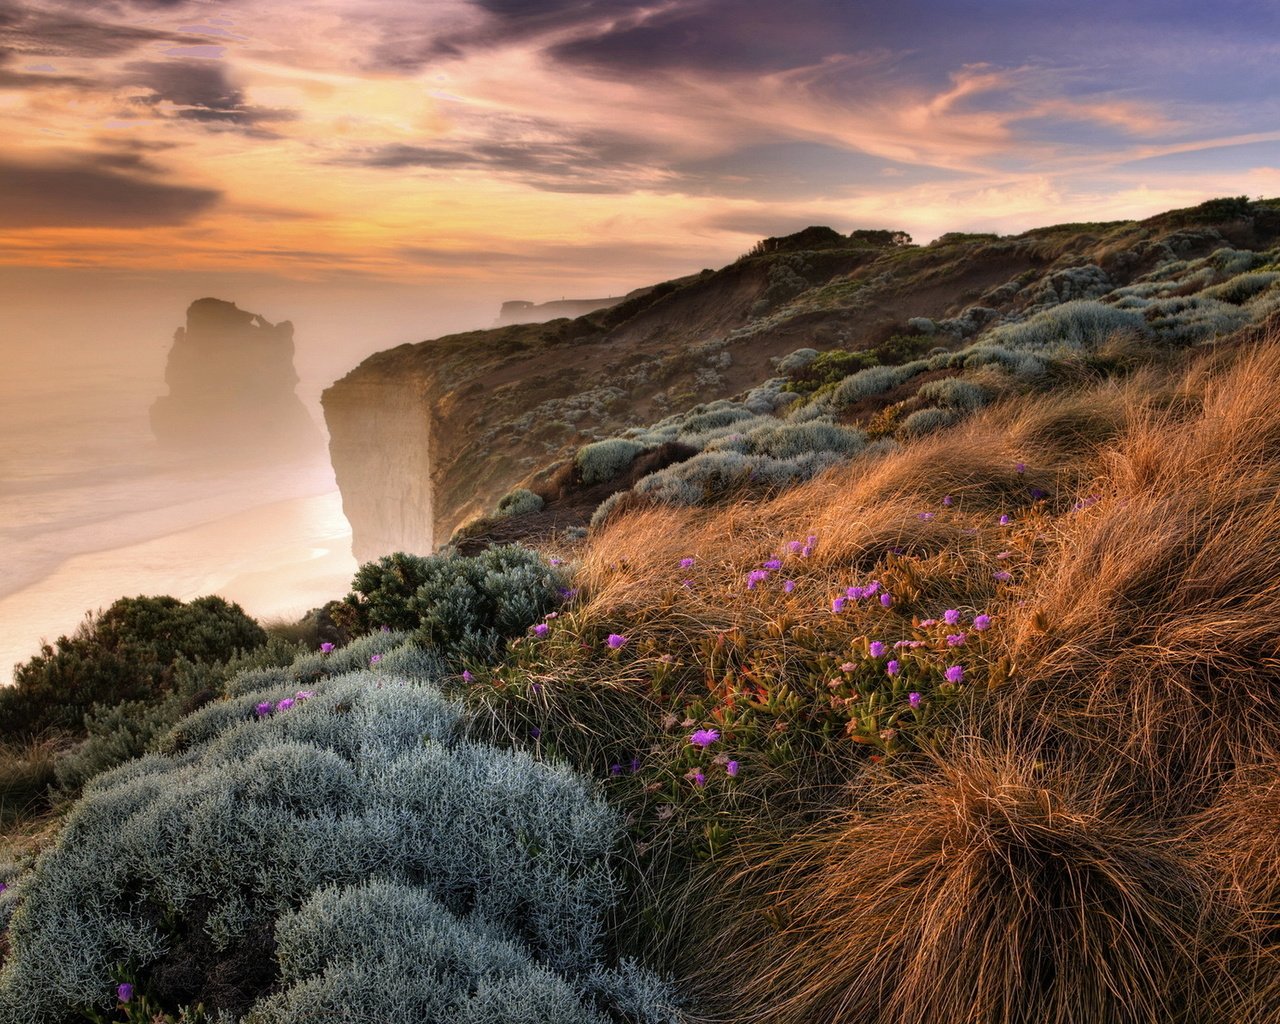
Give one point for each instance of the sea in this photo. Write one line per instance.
(91, 509)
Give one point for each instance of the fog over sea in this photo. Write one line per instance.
(92, 509)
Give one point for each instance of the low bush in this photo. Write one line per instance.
(126, 653)
(463, 606)
(606, 459)
(519, 502)
(351, 828)
(1079, 325)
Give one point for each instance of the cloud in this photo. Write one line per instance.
(13, 79)
(536, 153)
(54, 33)
(198, 91)
(77, 193)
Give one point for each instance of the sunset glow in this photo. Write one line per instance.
(606, 142)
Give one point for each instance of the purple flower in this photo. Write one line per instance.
(616, 641)
(124, 991)
(731, 768)
(837, 606)
(981, 622)
(568, 593)
(467, 677)
(541, 629)
(951, 616)
(756, 576)
(788, 586)
(635, 765)
(3, 887)
(872, 588)
(1003, 577)
(956, 639)
(374, 659)
(1005, 520)
(948, 501)
(285, 704)
(811, 540)
(913, 699)
(773, 563)
(876, 649)
(304, 694)
(893, 667)
(794, 546)
(557, 561)
(955, 674)
(686, 563)
(928, 622)
(386, 629)
(326, 648)
(806, 552)
(264, 709)
(926, 516)
(1019, 467)
(699, 779)
(856, 593)
(704, 737)
(534, 732)
(1037, 494)
(687, 583)
(886, 600)
(615, 769)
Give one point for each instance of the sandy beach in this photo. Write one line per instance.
(276, 560)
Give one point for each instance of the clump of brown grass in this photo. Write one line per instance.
(986, 887)
(1152, 633)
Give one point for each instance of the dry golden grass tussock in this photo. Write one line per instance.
(985, 887)
(1153, 629)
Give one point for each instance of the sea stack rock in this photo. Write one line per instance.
(231, 387)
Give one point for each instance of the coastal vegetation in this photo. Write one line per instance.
(931, 678)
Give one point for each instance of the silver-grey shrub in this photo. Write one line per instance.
(1080, 325)
(954, 393)
(926, 421)
(795, 361)
(781, 440)
(604, 460)
(874, 380)
(519, 502)
(389, 951)
(181, 859)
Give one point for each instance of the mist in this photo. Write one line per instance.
(93, 508)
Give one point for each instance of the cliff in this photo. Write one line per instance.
(428, 435)
(231, 387)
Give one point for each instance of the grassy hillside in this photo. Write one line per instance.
(946, 688)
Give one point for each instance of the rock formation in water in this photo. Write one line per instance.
(231, 387)
(424, 437)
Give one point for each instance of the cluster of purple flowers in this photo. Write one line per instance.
(267, 707)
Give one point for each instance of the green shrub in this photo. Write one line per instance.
(464, 606)
(350, 827)
(606, 459)
(126, 653)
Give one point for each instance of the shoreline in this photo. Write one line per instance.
(277, 559)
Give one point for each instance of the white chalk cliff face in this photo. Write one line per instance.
(380, 430)
(231, 388)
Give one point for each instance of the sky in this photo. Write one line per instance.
(465, 151)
